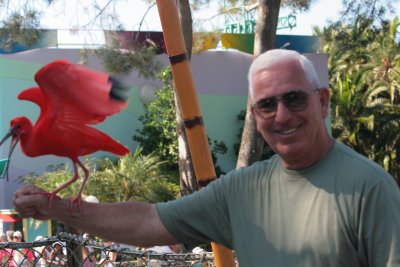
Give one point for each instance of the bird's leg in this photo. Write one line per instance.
(50, 196)
(53, 194)
(78, 198)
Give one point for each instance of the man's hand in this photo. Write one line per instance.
(31, 202)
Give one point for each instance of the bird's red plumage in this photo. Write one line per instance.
(70, 97)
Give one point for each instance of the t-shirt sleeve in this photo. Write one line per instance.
(379, 228)
(200, 217)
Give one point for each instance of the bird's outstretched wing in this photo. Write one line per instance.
(35, 95)
(75, 94)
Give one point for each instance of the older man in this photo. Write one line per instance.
(315, 203)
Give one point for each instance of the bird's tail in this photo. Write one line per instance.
(94, 140)
(116, 148)
(119, 91)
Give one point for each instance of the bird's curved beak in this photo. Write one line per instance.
(14, 141)
(8, 135)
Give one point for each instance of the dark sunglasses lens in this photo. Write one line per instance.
(295, 101)
(267, 105)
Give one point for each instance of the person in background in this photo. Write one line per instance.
(89, 253)
(3, 252)
(7, 257)
(22, 256)
(315, 203)
(57, 255)
(42, 254)
(10, 234)
(3, 237)
(108, 258)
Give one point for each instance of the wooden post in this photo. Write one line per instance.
(190, 109)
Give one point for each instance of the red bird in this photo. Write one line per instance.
(70, 97)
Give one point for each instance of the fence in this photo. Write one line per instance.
(67, 249)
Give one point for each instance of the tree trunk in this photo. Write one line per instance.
(252, 142)
(188, 182)
(267, 21)
(185, 16)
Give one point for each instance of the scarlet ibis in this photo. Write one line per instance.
(70, 98)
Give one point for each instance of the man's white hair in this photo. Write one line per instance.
(276, 56)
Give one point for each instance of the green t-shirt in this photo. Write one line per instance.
(343, 211)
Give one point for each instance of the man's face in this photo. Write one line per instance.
(295, 135)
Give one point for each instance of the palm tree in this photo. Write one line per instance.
(132, 177)
(364, 75)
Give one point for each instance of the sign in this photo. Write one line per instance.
(3, 167)
(287, 22)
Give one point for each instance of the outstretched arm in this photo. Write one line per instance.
(133, 222)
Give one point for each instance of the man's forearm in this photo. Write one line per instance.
(135, 223)
(128, 222)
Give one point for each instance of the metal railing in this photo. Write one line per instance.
(67, 249)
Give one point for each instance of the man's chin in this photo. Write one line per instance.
(288, 151)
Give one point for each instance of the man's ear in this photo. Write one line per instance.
(252, 112)
(324, 100)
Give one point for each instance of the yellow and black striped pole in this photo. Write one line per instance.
(190, 109)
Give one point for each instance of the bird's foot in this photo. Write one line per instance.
(50, 196)
(75, 202)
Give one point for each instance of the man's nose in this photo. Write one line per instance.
(282, 114)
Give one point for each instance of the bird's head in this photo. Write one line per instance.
(18, 127)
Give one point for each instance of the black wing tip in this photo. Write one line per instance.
(119, 91)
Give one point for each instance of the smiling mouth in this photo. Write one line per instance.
(287, 132)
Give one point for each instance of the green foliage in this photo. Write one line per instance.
(132, 177)
(240, 118)
(20, 27)
(219, 147)
(368, 9)
(159, 132)
(54, 177)
(299, 5)
(122, 61)
(364, 79)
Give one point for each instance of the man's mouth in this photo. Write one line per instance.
(287, 132)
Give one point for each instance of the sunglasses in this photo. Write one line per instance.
(295, 101)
